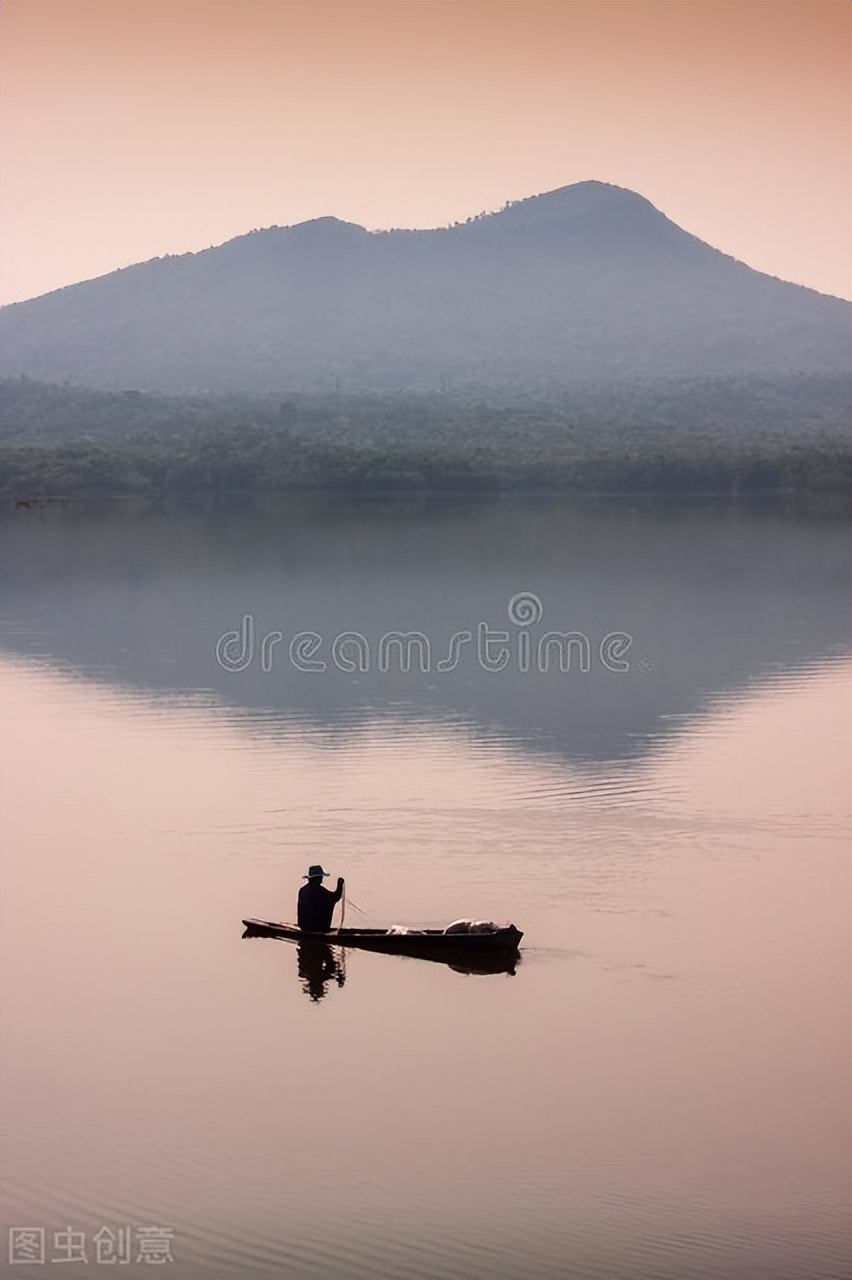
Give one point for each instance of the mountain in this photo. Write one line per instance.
(585, 286)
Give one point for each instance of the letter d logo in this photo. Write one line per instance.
(235, 649)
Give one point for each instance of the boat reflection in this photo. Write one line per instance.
(319, 963)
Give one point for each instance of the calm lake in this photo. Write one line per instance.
(197, 706)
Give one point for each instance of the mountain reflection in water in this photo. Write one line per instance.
(714, 597)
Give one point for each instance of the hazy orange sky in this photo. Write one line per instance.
(135, 128)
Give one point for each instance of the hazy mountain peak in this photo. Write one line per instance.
(327, 225)
(587, 284)
(580, 199)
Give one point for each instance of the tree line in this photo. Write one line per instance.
(67, 441)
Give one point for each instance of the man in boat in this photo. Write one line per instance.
(316, 903)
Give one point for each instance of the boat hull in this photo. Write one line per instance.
(431, 944)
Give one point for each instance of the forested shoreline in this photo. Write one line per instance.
(716, 436)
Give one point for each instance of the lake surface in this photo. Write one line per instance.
(659, 1090)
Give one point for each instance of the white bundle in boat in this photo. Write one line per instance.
(472, 926)
(401, 930)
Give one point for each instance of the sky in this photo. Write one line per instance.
(130, 129)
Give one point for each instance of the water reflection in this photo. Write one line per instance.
(671, 1094)
(714, 598)
(319, 965)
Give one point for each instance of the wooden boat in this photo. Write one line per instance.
(499, 945)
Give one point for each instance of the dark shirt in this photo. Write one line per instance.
(316, 905)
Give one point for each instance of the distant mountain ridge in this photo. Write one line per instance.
(579, 287)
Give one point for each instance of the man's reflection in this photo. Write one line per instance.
(318, 966)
